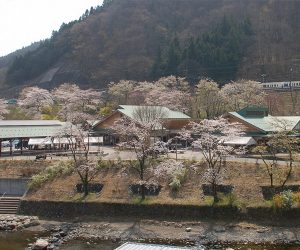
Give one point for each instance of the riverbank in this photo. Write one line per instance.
(204, 232)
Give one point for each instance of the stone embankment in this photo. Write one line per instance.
(17, 222)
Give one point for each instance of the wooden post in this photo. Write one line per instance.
(10, 147)
(21, 145)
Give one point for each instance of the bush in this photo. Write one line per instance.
(178, 177)
(297, 197)
(50, 173)
(283, 201)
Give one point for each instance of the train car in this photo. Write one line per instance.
(281, 85)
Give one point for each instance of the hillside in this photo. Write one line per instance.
(145, 39)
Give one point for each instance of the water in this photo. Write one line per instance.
(20, 240)
(16, 240)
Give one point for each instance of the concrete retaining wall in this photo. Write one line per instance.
(13, 187)
(53, 209)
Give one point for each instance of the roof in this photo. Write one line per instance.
(269, 123)
(243, 141)
(142, 246)
(29, 128)
(129, 111)
(30, 123)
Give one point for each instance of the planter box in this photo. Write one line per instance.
(149, 189)
(268, 192)
(92, 187)
(208, 190)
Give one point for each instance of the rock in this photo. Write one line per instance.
(63, 234)
(220, 229)
(51, 247)
(40, 244)
(188, 229)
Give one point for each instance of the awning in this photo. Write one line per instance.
(64, 140)
(241, 141)
(93, 139)
(39, 141)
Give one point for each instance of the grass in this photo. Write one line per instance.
(50, 173)
(245, 177)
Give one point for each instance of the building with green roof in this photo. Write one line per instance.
(259, 123)
(172, 121)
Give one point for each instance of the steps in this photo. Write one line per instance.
(9, 205)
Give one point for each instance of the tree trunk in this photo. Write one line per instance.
(215, 194)
(85, 188)
(143, 191)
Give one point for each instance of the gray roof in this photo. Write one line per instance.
(29, 128)
(142, 246)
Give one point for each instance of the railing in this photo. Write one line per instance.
(3, 195)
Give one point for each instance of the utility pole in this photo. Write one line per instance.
(263, 78)
(292, 94)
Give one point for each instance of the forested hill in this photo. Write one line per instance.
(146, 39)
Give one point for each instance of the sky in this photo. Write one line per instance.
(23, 22)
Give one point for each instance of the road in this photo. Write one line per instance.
(111, 153)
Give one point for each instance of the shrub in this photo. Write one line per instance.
(283, 201)
(50, 173)
(297, 197)
(229, 199)
(178, 177)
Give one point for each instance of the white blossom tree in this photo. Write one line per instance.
(210, 137)
(121, 91)
(3, 108)
(33, 99)
(137, 135)
(84, 166)
(173, 170)
(76, 105)
(170, 92)
(243, 93)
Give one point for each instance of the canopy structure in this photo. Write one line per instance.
(64, 140)
(241, 141)
(91, 140)
(39, 141)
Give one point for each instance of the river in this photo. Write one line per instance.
(20, 240)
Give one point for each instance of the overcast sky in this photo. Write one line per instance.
(25, 21)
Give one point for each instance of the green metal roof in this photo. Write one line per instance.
(129, 111)
(28, 128)
(270, 123)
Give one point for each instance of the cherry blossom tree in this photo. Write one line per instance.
(170, 92)
(174, 171)
(84, 166)
(3, 108)
(243, 93)
(76, 105)
(33, 99)
(210, 137)
(137, 135)
(121, 90)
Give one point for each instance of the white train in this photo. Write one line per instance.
(281, 85)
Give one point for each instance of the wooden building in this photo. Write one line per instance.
(172, 122)
(258, 123)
